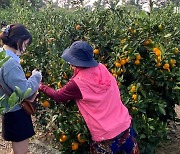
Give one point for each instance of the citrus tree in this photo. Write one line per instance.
(141, 50)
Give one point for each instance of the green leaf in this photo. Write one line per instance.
(138, 85)
(152, 127)
(54, 118)
(143, 93)
(12, 99)
(125, 47)
(162, 110)
(162, 50)
(4, 102)
(2, 98)
(3, 61)
(142, 136)
(27, 93)
(2, 55)
(176, 88)
(19, 92)
(167, 35)
(1, 110)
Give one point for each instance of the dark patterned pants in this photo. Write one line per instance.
(124, 143)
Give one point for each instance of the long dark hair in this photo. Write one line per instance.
(14, 35)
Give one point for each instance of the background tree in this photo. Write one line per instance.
(4, 3)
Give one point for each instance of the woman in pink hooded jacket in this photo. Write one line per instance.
(97, 96)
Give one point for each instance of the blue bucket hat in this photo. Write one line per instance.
(80, 54)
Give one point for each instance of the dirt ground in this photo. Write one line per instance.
(40, 143)
(172, 146)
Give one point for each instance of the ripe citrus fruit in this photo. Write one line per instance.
(156, 50)
(147, 42)
(28, 74)
(21, 61)
(127, 60)
(133, 89)
(123, 41)
(63, 138)
(138, 57)
(158, 53)
(137, 62)
(172, 61)
(159, 58)
(166, 66)
(81, 140)
(117, 64)
(158, 64)
(75, 146)
(96, 51)
(59, 85)
(46, 104)
(134, 96)
(176, 51)
(134, 32)
(115, 75)
(78, 27)
(123, 62)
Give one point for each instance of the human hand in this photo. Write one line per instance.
(35, 72)
(40, 85)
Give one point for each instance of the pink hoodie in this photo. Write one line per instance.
(101, 106)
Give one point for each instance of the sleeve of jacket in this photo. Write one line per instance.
(16, 77)
(69, 92)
